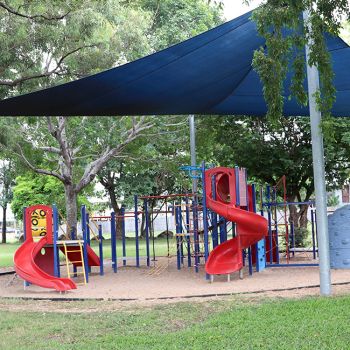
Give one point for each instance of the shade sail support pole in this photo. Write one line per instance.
(319, 171)
(191, 121)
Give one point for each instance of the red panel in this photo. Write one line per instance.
(41, 210)
(73, 255)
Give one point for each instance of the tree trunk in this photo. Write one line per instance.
(298, 216)
(116, 209)
(4, 223)
(143, 223)
(71, 208)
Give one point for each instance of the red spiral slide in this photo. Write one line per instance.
(30, 264)
(251, 227)
(34, 261)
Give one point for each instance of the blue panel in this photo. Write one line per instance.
(261, 257)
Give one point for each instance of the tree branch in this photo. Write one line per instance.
(94, 167)
(46, 73)
(38, 170)
(49, 149)
(32, 17)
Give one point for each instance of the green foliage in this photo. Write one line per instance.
(32, 189)
(176, 21)
(7, 181)
(269, 153)
(332, 200)
(280, 23)
(151, 165)
(45, 42)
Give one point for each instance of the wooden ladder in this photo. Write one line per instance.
(79, 249)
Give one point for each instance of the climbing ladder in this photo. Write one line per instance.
(78, 248)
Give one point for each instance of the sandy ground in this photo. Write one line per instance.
(164, 283)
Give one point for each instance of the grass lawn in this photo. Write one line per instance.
(312, 323)
(7, 250)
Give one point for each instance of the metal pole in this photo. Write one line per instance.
(100, 248)
(319, 171)
(122, 214)
(113, 243)
(205, 219)
(85, 254)
(137, 231)
(145, 205)
(193, 150)
(56, 251)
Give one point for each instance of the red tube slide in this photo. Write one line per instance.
(26, 261)
(251, 227)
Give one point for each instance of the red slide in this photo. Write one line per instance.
(251, 228)
(27, 260)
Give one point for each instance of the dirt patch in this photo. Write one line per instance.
(163, 284)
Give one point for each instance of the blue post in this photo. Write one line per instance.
(195, 233)
(260, 246)
(178, 231)
(269, 222)
(85, 254)
(233, 229)
(123, 235)
(114, 243)
(137, 232)
(315, 221)
(205, 218)
(188, 237)
(276, 226)
(88, 229)
(88, 241)
(293, 237)
(100, 246)
(181, 237)
(222, 229)
(237, 186)
(313, 234)
(56, 257)
(214, 216)
(250, 261)
(145, 204)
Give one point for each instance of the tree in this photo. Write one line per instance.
(69, 39)
(33, 189)
(176, 21)
(149, 169)
(286, 42)
(73, 150)
(269, 153)
(7, 177)
(42, 43)
(151, 166)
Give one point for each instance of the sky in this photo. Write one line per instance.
(235, 8)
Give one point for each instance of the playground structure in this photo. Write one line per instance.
(285, 246)
(222, 229)
(37, 260)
